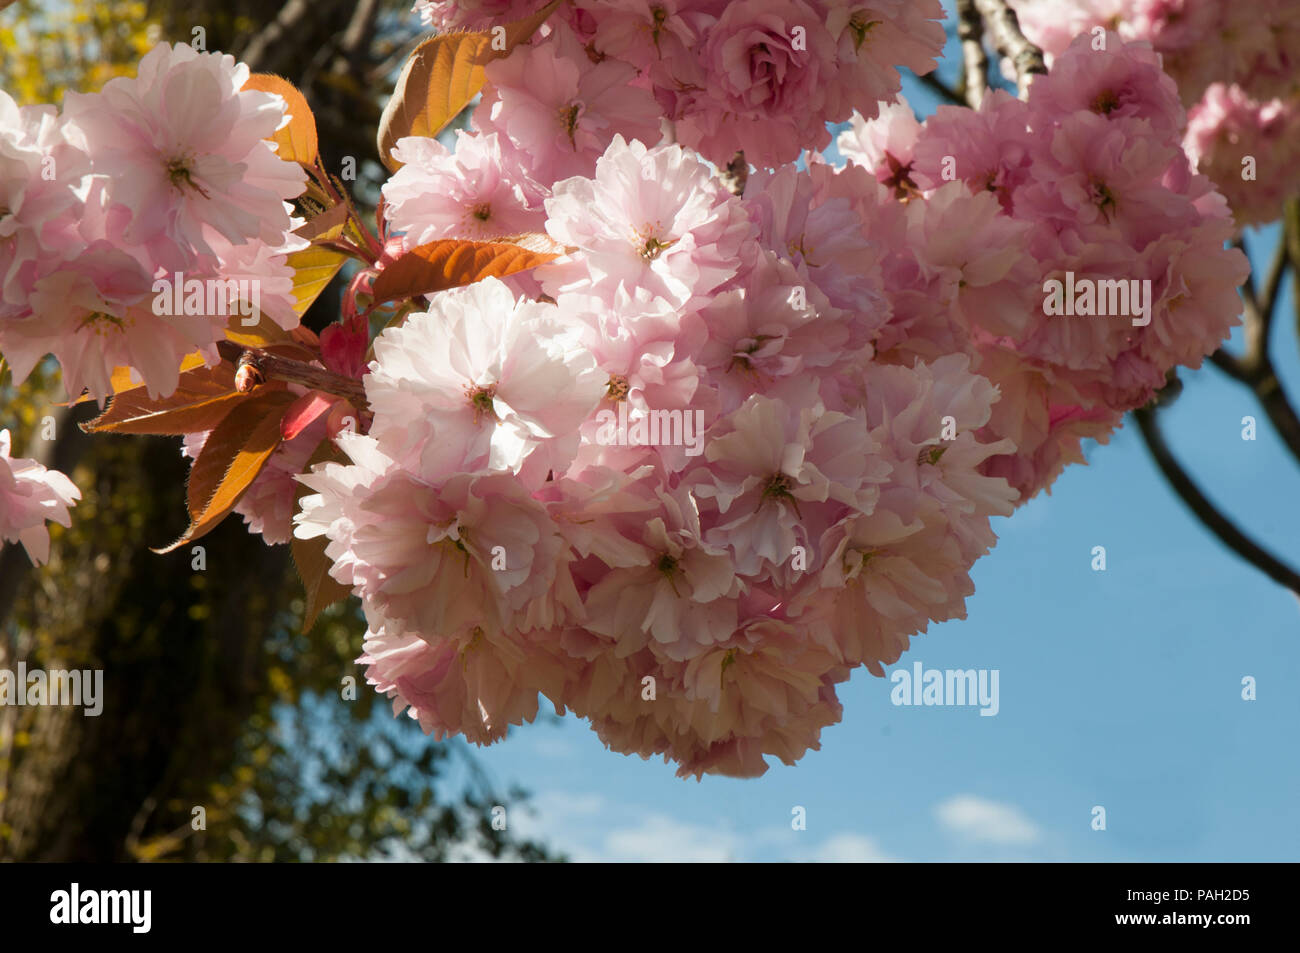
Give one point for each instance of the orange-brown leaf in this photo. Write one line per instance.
(451, 262)
(440, 78)
(296, 141)
(230, 460)
(121, 379)
(202, 398)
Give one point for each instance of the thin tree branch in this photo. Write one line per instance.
(1272, 286)
(1004, 25)
(1260, 312)
(975, 62)
(274, 367)
(1291, 238)
(1248, 286)
(945, 92)
(1255, 367)
(1271, 396)
(1230, 365)
(1205, 511)
(357, 38)
(258, 53)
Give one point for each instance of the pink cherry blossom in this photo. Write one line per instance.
(558, 112)
(766, 66)
(42, 166)
(473, 192)
(655, 219)
(884, 144)
(476, 689)
(96, 314)
(30, 495)
(181, 148)
(482, 380)
(473, 555)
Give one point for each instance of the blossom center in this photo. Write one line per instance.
(900, 179)
(855, 561)
(1105, 103)
(481, 399)
(779, 487)
(98, 319)
(454, 537)
(669, 566)
(653, 246)
(1102, 197)
(929, 455)
(617, 387)
(180, 172)
(798, 246)
(742, 357)
(475, 643)
(728, 660)
(482, 211)
(658, 15)
(860, 27)
(569, 122)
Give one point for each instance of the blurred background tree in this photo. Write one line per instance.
(212, 697)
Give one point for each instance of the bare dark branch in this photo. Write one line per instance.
(1255, 367)
(945, 92)
(1205, 511)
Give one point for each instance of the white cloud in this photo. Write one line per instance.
(849, 849)
(555, 748)
(660, 839)
(988, 821)
(591, 828)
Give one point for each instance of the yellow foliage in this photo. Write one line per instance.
(47, 49)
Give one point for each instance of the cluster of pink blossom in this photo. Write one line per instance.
(762, 76)
(1249, 148)
(665, 484)
(686, 477)
(1253, 45)
(1084, 185)
(161, 175)
(1237, 68)
(30, 495)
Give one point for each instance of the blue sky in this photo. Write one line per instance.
(1120, 689)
